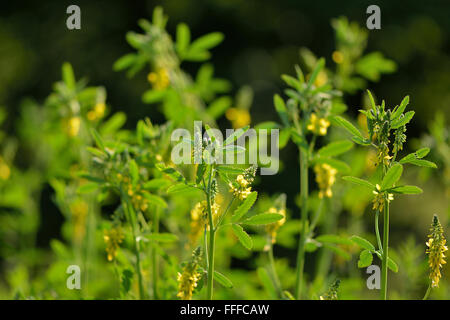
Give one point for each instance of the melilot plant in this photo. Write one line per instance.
(386, 129)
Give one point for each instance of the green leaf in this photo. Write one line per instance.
(223, 280)
(171, 172)
(391, 263)
(399, 110)
(280, 107)
(332, 238)
(420, 163)
(267, 125)
(91, 178)
(179, 188)
(154, 199)
(363, 243)
(134, 171)
(201, 169)
(68, 76)
(236, 134)
(242, 236)
(319, 66)
(392, 176)
(125, 62)
(229, 170)
(126, 280)
(402, 120)
(244, 207)
(153, 96)
(422, 152)
(372, 100)
(98, 139)
(219, 106)
(406, 190)
(365, 259)
(156, 184)
(359, 181)
(348, 126)
(162, 237)
(372, 65)
(207, 41)
(335, 148)
(87, 188)
(183, 38)
(113, 124)
(263, 218)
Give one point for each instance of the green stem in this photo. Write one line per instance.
(384, 265)
(377, 231)
(132, 219)
(274, 271)
(427, 293)
(304, 220)
(155, 256)
(212, 239)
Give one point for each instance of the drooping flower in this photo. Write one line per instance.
(325, 178)
(199, 218)
(318, 125)
(188, 279)
(272, 228)
(113, 238)
(97, 112)
(73, 126)
(240, 187)
(380, 197)
(436, 249)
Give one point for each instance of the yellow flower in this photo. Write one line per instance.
(238, 117)
(380, 197)
(317, 125)
(337, 57)
(325, 178)
(321, 79)
(272, 228)
(5, 171)
(73, 126)
(199, 218)
(98, 112)
(113, 238)
(188, 279)
(436, 249)
(159, 79)
(242, 191)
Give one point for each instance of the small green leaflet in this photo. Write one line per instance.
(406, 190)
(348, 126)
(365, 259)
(359, 181)
(363, 243)
(244, 207)
(223, 280)
(392, 176)
(242, 236)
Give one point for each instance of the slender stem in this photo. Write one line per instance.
(304, 220)
(377, 231)
(132, 220)
(425, 297)
(212, 239)
(384, 265)
(155, 256)
(274, 271)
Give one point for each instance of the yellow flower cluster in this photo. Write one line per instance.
(318, 125)
(187, 282)
(199, 219)
(238, 117)
(188, 279)
(378, 201)
(113, 238)
(325, 178)
(97, 112)
(139, 202)
(73, 126)
(272, 228)
(383, 156)
(5, 171)
(159, 79)
(242, 191)
(436, 249)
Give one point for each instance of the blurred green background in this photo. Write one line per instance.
(262, 41)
